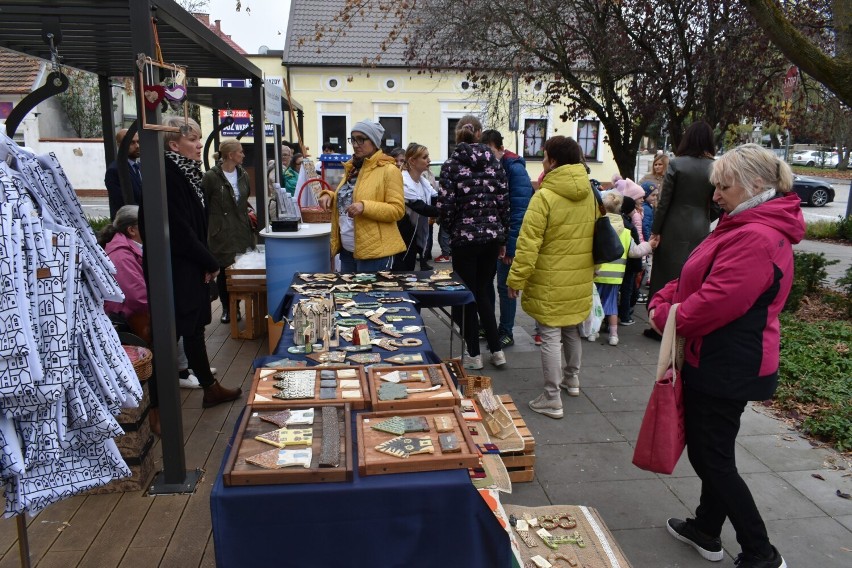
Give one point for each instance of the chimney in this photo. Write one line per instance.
(218, 28)
(203, 18)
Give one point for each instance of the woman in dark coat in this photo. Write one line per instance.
(226, 191)
(193, 265)
(685, 207)
(474, 203)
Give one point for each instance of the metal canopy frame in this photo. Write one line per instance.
(105, 37)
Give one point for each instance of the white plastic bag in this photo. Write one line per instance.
(596, 316)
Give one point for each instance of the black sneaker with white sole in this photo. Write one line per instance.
(746, 561)
(708, 547)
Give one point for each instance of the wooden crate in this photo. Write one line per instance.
(373, 462)
(247, 285)
(239, 472)
(520, 465)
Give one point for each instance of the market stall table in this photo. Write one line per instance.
(305, 250)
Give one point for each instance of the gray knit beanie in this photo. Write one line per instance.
(373, 130)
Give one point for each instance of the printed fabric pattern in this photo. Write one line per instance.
(473, 197)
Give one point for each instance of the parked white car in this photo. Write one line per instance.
(816, 158)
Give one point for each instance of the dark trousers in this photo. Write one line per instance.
(196, 356)
(712, 424)
(627, 296)
(476, 265)
(222, 287)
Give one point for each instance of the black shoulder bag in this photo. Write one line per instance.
(606, 246)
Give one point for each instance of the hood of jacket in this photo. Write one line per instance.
(783, 214)
(617, 222)
(510, 158)
(569, 181)
(474, 156)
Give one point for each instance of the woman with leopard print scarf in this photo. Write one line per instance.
(193, 265)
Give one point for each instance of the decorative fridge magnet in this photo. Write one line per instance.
(287, 437)
(365, 358)
(406, 358)
(394, 425)
(407, 342)
(415, 424)
(278, 418)
(277, 459)
(347, 384)
(449, 443)
(347, 373)
(443, 424)
(402, 447)
(390, 391)
(351, 393)
(330, 449)
(328, 384)
(328, 393)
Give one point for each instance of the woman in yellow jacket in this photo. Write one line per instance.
(553, 267)
(368, 203)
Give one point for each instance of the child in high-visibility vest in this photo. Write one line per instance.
(608, 276)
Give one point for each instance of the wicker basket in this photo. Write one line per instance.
(142, 361)
(314, 214)
(475, 383)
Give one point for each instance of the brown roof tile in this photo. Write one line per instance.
(17, 73)
(216, 28)
(360, 41)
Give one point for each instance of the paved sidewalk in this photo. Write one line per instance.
(585, 459)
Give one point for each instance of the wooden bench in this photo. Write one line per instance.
(247, 285)
(520, 465)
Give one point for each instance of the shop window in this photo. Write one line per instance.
(535, 133)
(587, 137)
(334, 132)
(393, 133)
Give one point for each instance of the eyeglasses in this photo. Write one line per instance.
(358, 140)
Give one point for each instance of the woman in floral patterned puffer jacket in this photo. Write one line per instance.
(473, 199)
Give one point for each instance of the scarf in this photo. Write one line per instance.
(754, 201)
(191, 170)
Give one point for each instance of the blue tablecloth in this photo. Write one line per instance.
(428, 520)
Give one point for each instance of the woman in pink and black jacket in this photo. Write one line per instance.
(730, 291)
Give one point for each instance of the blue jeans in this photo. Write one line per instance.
(348, 263)
(508, 306)
(444, 241)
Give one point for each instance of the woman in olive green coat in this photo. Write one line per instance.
(226, 192)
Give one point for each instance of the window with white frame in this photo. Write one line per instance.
(588, 132)
(393, 133)
(535, 133)
(334, 132)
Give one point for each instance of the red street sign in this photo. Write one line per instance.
(791, 81)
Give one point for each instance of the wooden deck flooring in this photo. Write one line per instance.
(133, 530)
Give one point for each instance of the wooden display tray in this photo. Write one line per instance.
(264, 388)
(373, 462)
(238, 472)
(414, 400)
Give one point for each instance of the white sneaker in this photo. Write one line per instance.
(544, 405)
(472, 363)
(613, 340)
(191, 382)
(498, 358)
(213, 371)
(571, 385)
(592, 337)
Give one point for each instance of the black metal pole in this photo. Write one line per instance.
(258, 98)
(174, 478)
(107, 118)
(23, 541)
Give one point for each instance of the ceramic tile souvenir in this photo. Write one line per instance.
(443, 424)
(287, 437)
(352, 393)
(278, 418)
(449, 443)
(435, 376)
(347, 373)
(392, 391)
(406, 358)
(326, 374)
(296, 387)
(416, 424)
(407, 342)
(266, 372)
(393, 425)
(330, 449)
(403, 446)
(301, 417)
(384, 344)
(328, 393)
(277, 459)
(364, 358)
(328, 384)
(349, 384)
(327, 357)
